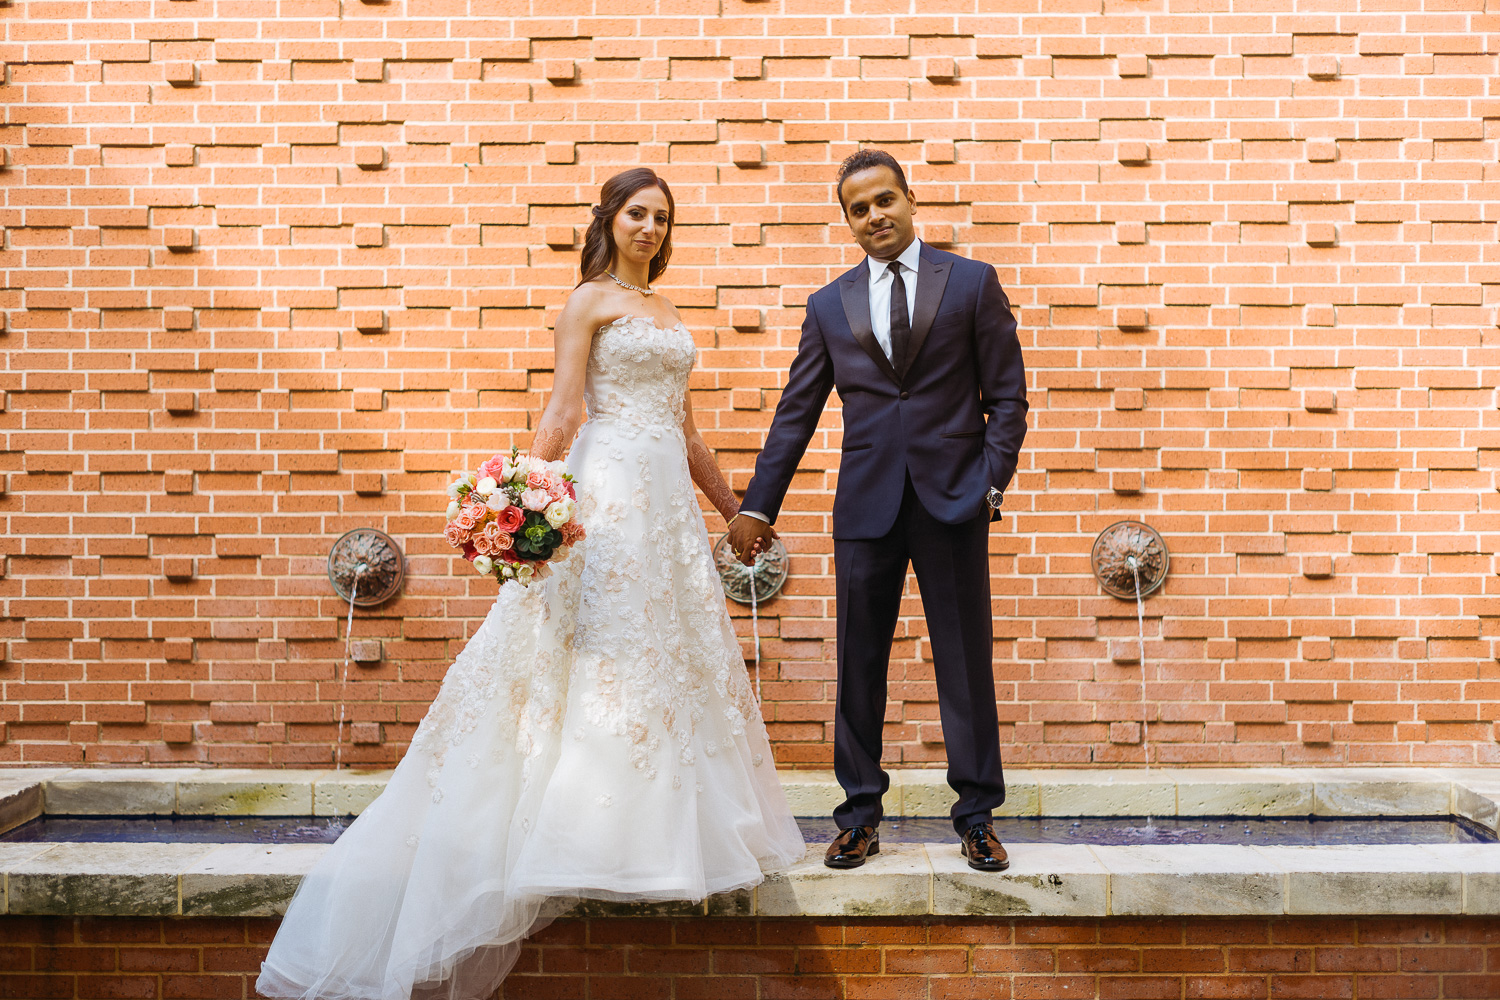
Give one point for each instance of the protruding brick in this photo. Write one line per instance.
(1131, 64)
(178, 650)
(1131, 318)
(370, 320)
(369, 157)
(179, 239)
(1321, 315)
(178, 482)
(365, 733)
(369, 234)
(1125, 650)
(1317, 648)
(940, 69)
(747, 67)
(1322, 150)
(938, 233)
(1315, 732)
(1319, 400)
(1317, 479)
(178, 569)
(1321, 234)
(180, 73)
(1133, 153)
(745, 399)
(181, 154)
(939, 152)
(1131, 398)
(561, 152)
(1126, 481)
(369, 70)
(747, 154)
(177, 733)
(182, 402)
(369, 484)
(1126, 733)
(745, 234)
(1322, 66)
(366, 651)
(560, 72)
(1317, 567)
(561, 237)
(369, 399)
(177, 319)
(1130, 232)
(747, 318)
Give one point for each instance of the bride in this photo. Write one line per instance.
(597, 737)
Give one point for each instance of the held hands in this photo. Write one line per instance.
(748, 537)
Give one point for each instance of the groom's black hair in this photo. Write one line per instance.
(864, 160)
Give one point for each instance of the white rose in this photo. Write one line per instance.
(525, 572)
(453, 508)
(484, 565)
(486, 486)
(560, 512)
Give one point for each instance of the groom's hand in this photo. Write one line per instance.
(749, 536)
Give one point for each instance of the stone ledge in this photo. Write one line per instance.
(1473, 793)
(1049, 880)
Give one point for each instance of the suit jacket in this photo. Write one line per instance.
(952, 411)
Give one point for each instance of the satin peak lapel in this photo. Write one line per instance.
(932, 278)
(855, 292)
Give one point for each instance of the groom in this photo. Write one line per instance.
(922, 348)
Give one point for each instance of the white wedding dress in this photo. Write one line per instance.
(597, 737)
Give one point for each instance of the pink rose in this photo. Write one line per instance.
(456, 535)
(535, 499)
(568, 485)
(492, 540)
(492, 468)
(537, 479)
(510, 519)
(471, 516)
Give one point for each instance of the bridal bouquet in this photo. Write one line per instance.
(514, 516)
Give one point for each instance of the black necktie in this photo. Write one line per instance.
(900, 321)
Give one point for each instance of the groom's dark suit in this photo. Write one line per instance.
(925, 437)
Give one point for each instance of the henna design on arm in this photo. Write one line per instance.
(549, 444)
(710, 479)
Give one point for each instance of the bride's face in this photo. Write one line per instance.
(641, 226)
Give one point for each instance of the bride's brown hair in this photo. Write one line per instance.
(599, 241)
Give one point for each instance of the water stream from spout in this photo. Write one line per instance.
(338, 748)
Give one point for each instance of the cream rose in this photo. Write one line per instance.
(559, 512)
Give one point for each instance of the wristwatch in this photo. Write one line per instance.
(994, 498)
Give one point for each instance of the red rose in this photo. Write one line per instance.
(470, 552)
(510, 519)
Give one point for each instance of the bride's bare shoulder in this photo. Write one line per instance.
(588, 307)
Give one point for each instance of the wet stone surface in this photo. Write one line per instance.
(1106, 830)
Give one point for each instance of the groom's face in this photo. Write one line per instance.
(878, 212)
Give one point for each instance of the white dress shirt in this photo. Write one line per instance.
(881, 282)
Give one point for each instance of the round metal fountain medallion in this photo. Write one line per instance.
(366, 565)
(1130, 559)
(770, 571)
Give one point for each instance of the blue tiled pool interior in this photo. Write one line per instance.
(1111, 830)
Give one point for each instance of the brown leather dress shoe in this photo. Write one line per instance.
(852, 846)
(983, 849)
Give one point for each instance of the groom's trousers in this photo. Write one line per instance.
(952, 566)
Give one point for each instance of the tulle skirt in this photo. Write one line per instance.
(597, 738)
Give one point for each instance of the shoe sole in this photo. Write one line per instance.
(989, 868)
(845, 865)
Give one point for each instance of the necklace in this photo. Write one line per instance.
(626, 284)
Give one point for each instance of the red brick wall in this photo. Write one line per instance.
(1398, 958)
(269, 274)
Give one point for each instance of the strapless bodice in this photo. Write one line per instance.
(638, 372)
